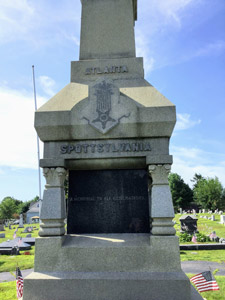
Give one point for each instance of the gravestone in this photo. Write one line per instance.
(2, 235)
(189, 224)
(213, 218)
(222, 219)
(21, 222)
(2, 227)
(108, 130)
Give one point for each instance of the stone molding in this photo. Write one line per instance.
(159, 174)
(53, 211)
(162, 212)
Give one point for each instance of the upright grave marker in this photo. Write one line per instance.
(108, 131)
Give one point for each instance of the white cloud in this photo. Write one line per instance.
(184, 122)
(160, 20)
(14, 17)
(38, 22)
(18, 136)
(143, 50)
(47, 84)
(172, 9)
(188, 161)
(211, 49)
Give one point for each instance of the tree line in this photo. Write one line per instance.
(207, 193)
(11, 208)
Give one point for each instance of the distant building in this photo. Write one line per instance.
(34, 211)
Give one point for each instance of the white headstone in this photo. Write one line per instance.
(213, 218)
(222, 219)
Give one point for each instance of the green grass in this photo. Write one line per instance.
(8, 290)
(9, 233)
(204, 225)
(9, 263)
(203, 255)
(214, 295)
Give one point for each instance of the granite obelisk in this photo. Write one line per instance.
(108, 130)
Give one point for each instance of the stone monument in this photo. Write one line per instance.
(108, 130)
(2, 225)
(189, 224)
(21, 221)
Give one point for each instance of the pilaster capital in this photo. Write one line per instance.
(159, 174)
(55, 177)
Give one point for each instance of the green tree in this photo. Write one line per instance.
(196, 179)
(24, 207)
(209, 193)
(8, 207)
(182, 194)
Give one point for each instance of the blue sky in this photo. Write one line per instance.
(183, 45)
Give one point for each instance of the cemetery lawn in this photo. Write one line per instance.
(8, 290)
(204, 225)
(9, 263)
(203, 255)
(214, 295)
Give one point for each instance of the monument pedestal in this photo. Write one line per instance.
(112, 267)
(108, 130)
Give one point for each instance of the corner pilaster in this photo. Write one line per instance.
(53, 211)
(162, 212)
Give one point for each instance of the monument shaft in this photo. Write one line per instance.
(108, 133)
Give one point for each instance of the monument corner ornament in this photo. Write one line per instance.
(106, 144)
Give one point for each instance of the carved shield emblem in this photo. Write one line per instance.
(104, 110)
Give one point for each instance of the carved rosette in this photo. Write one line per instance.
(162, 212)
(53, 211)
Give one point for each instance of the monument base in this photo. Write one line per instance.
(108, 267)
(109, 286)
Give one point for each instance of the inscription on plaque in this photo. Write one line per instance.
(108, 201)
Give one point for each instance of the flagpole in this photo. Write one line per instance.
(38, 147)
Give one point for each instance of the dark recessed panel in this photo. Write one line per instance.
(108, 201)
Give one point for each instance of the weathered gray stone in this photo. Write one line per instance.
(109, 117)
(21, 222)
(53, 212)
(108, 285)
(101, 17)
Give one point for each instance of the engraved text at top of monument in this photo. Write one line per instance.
(104, 110)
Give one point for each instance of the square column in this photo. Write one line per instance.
(53, 211)
(161, 207)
